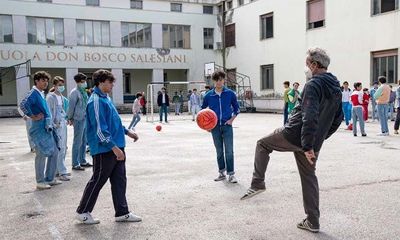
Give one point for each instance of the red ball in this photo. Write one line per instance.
(207, 119)
(158, 127)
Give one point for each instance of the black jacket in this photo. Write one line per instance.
(159, 100)
(318, 114)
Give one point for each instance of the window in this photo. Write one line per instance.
(240, 2)
(382, 6)
(176, 7)
(92, 3)
(385, 63)
(230, 35)
(267, 77)
(220, 9)
(315, 14)
(267, 25)
(176, 36)
(229, 5)
(137, 35)
(6, 29)
(208, 9)
(208, 34)
(93, 33)
(127, 81)
(49, 1)
(45, 30)
(137, 4)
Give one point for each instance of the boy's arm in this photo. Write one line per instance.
(73, 100)
(378, 93)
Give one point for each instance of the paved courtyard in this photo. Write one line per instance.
(170, 184)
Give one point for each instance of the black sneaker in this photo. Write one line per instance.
(306, 225)
(86, 164)
(364, 135)
(78, 168)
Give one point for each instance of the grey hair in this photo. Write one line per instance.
(319, 56)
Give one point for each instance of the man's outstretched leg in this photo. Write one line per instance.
(265, 146)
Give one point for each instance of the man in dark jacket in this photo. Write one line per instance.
(163, 103)
(317, 116)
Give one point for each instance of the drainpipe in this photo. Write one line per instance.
(223, 35)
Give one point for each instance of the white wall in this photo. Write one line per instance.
(350, 35)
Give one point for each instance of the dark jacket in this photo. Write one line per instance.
(318, 114)
(159, 100)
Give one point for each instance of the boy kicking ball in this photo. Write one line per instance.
(106, 138)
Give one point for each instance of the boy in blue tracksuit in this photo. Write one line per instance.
(224, 103)
(106, 138)
(42, 132)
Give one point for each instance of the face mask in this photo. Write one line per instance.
(308, 73)
(61, 89)
(84, 85)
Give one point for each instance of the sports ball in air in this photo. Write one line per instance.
(207, 119)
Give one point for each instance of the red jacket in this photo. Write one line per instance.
(356, 98)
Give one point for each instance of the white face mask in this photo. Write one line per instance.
(308, 73)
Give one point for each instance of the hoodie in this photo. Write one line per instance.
(318, 114)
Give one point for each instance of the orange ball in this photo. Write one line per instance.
(207, 119)
(158, 127)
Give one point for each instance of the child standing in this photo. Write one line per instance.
(357, 101)
(365, 103)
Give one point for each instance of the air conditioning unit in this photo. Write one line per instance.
(219, 45)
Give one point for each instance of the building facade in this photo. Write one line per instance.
(139, 41)
(163, 41)
(268, 40)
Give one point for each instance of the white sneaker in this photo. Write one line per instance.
(86, 218)
(42, 186)
(54, 182)
(232, 179)
(220, 177)
(130, 217)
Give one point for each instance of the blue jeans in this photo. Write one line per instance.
(285, 113)
(358, 116)
(223, 140)
(374, 111)
(62, 132)
(383, 117)
(391, 111)
(43, 176)
(135, 120)
(28, 123)
(79, 144)
(346, 107)
(163, 109)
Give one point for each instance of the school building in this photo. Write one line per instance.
(145, 41)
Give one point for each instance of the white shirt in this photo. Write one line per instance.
(346, 95)
(41, 92)
(163, 98)
(59, 100)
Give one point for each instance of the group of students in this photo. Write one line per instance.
(355, 106)
(194, 102)
(95, 115)
(47, 117)
(290, 98)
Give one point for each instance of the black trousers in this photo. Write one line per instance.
(106, 166)
(397, 122)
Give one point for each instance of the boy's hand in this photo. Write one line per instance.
(118, 153)
(37, 117)
(133, 135)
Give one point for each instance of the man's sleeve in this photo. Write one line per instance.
(235, 104)
(97, 113)
(73, 99)
(336, 122)
(310, 107)
(25, 105)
